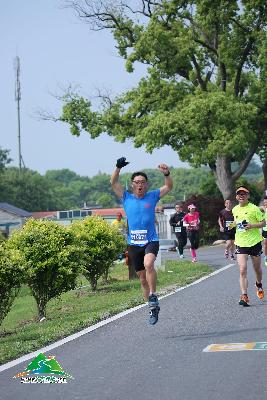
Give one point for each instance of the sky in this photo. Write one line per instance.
(57, 50)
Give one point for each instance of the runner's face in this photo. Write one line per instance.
(242, 197)
(228, 204)
(139, 185)
(265, 203)
(178, 209)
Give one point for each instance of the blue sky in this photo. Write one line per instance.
(57, 50)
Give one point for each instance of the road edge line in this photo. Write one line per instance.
(76, 335)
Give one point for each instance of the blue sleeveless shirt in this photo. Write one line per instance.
(140, 214)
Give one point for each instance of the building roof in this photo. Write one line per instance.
(15, 210)
(44, 214)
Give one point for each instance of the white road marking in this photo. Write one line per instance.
(67, 339)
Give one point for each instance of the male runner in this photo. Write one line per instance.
(119, 223)
(122, 228)
(248, 220)
(176, 221)
(264, 230)
(143, 242)
(225, 219)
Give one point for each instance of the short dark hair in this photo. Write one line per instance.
(139, 174)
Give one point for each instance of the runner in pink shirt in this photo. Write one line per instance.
(191, 222)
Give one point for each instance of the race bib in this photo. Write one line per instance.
(177, 229)
(240, 227)
(139, 237)
(228, 224)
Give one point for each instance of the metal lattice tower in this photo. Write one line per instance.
(18, 98)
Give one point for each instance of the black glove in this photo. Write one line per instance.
(121, 162)
(244, 223)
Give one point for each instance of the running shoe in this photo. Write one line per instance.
(154, 315)
(265, 262)
(232, 257)
(259, 291)
(226, 255)
(153, 301)
(194, 260)
(244, 300)
(181, 256)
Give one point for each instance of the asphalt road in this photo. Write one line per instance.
(128, 359)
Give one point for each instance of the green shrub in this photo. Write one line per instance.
(50, 255)
(11, 277)
(2, 237)
(100, 243)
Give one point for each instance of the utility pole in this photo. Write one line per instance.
(17, 99)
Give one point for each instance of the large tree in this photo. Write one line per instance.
(4, 159)
(206, 69)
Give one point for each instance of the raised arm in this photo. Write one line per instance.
(114, 180)
(168, 180)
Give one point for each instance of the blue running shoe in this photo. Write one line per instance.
(153, 300)
(154, 315)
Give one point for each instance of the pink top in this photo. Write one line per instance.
(191, 221)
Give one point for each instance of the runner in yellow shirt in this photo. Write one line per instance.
(248, 220)
(264, 230)
(119, 223)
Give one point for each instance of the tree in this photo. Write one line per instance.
(4, 159)
(205, 64)
(26, 189)
(50, 257)
(11, 277)
(100, 244)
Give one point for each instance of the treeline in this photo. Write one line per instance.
(64, 189)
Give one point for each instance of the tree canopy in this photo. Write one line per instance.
(205, 89)
(4, 159)
(64, 189)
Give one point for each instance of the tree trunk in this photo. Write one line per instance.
(132, 273)
(224, 178)
(41, 304)
(93, 282)
(131, 270)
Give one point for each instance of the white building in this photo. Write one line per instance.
(11, 217)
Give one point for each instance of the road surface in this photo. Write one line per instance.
(129, 360)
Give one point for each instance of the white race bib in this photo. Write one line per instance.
(227, 223)
(177, 229)
(139, 237)
(240, 227)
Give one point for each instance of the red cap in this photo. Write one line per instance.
(242, 189)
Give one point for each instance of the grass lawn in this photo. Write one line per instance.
(21, 333)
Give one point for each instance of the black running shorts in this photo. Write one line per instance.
(254, 251)
(228, 235)
(136, 254)
(264, 234)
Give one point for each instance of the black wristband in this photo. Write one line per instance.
(168, 173)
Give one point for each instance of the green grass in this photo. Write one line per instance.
(21, 333)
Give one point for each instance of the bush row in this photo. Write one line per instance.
(48, 257)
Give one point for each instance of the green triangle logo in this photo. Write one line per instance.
(43, 365)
